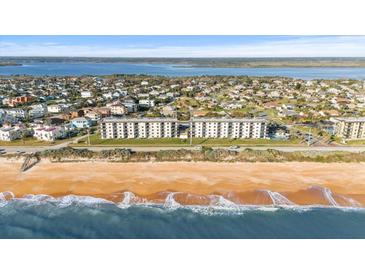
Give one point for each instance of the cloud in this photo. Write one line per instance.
(298, 46)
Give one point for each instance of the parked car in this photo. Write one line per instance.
(233, 148)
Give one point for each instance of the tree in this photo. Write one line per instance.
(24, 134)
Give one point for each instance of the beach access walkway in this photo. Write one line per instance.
(29, 161)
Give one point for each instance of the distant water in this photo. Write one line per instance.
(86, 217)
(77, 69)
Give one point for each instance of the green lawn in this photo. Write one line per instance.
(31, 141)
(27, 142)
(95, 140)
(355, 142)
(248, 142)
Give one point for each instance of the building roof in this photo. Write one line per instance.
(222, 119)
(47, 129)
(80, 119)
(199, 119)
(7, 129)
(136, 120)
(351, 119)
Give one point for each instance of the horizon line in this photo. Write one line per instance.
(179, 57)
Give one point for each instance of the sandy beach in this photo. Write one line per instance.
(193, 183)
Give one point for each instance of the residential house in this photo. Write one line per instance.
(168, 111)
(12, 102)
(38, 111)
(146, 103)
(118, 109)
(104, 111)
(58, 108)
(77, 113)
(86, 94)
(93, 115)
(49, 133)
(17, 113)
(81, 122)
(131, 106)
(9, 133)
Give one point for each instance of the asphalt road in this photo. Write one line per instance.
(31, 149)
(13, 149)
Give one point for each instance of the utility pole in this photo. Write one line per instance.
(310, 136)
(191, 131)
(190, 128)
(68, 131)
(88, 136)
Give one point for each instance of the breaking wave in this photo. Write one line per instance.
(329, 197)
(5, 197)
(209, 204)
(220, 201)
(278, 199)
(83, 200)
(170, 201)
(64, 201)
(351, 202)
(128, 198)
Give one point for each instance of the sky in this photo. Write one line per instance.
(183, 46)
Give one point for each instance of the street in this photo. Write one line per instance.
(14, 149)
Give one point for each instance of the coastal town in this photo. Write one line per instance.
(182, 136)
(118, 109)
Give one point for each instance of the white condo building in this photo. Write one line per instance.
(228, 128)
(350, 128)
(111, 128)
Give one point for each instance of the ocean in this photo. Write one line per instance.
(78, 69)
(41, 216)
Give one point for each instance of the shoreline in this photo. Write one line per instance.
(193, 183)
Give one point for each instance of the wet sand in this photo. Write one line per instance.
(194, 183)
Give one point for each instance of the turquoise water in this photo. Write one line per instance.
(73, 217)
(77, 69)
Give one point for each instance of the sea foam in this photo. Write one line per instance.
(5, 197)
(218, 204)
(278, 199)
(170, 201)
(220, 201)
(81, 200)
